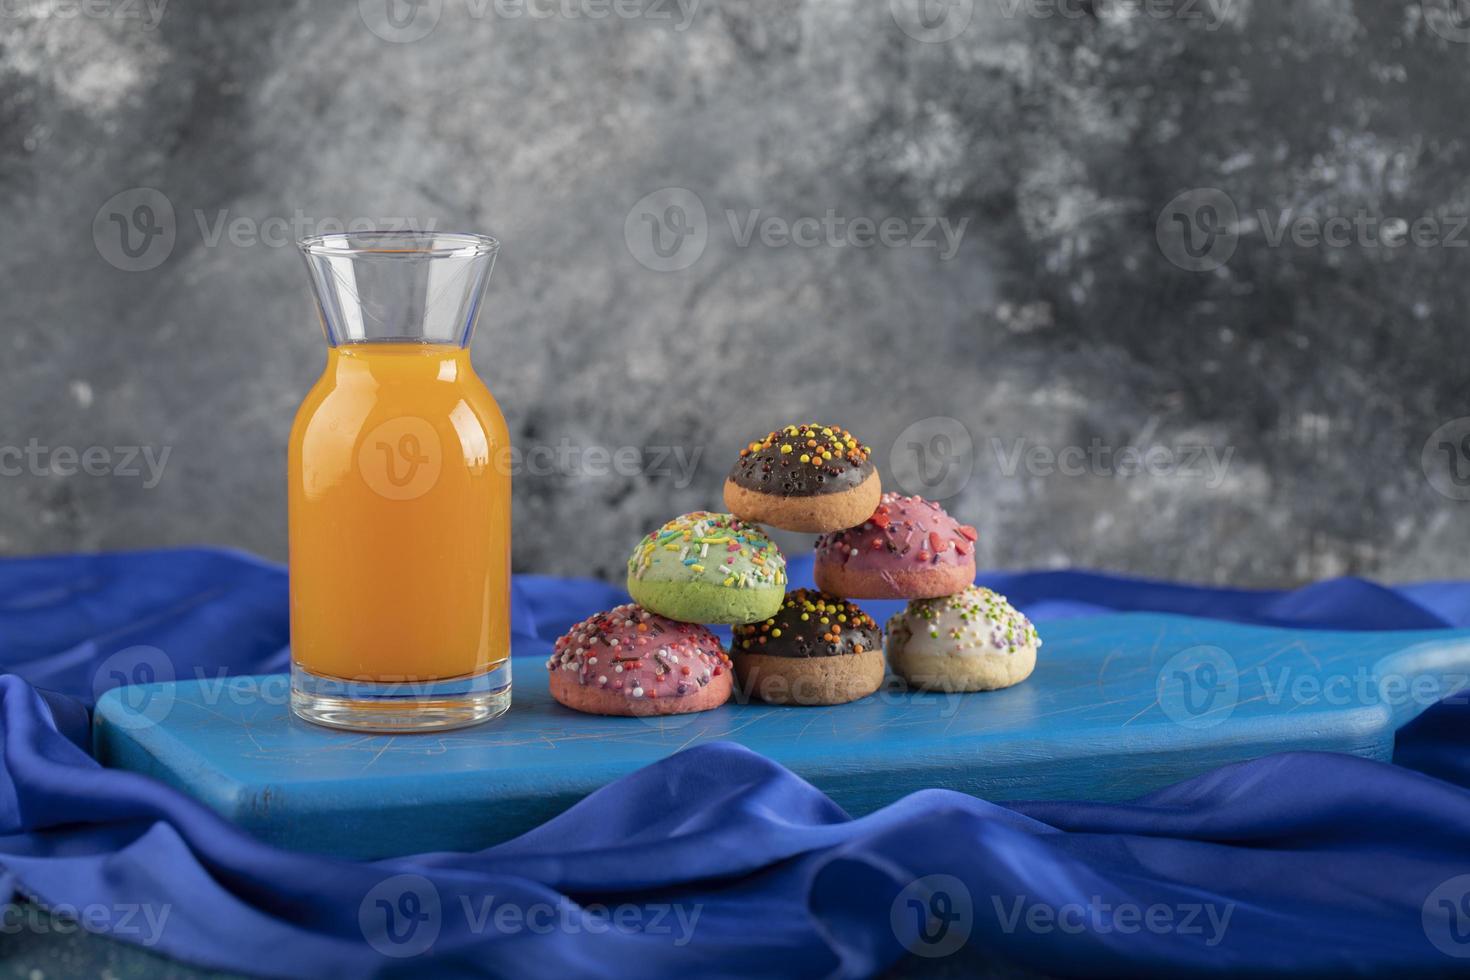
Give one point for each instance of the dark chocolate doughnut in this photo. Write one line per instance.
(810, 477)
(817, 649)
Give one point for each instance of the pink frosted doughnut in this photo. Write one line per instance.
(909, 549)
(629, 661)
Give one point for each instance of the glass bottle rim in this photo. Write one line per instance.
(400, 244)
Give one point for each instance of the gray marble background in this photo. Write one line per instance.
(1141, 268)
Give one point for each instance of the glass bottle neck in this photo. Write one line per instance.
(399, 287)
(397, 361)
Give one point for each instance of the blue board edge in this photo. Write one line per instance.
(1131, 765)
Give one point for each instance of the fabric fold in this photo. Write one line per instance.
(718, 862)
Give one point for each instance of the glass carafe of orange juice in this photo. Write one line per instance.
(399, 493)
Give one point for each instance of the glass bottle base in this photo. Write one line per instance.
(400, 707)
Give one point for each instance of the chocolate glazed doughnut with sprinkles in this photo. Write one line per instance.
(817, 650)
(812, 478)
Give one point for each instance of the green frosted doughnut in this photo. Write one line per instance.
(708, 568)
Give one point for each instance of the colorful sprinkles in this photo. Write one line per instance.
(813, 443)
(803, 459)
(976, 619)
(912, 528)
(716, 548)
(634, 652)
(811, 624)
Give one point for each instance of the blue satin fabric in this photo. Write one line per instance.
(717, 862)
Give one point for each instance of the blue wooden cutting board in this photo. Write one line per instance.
(1119, 705)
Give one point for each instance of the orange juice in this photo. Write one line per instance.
(399, 517)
